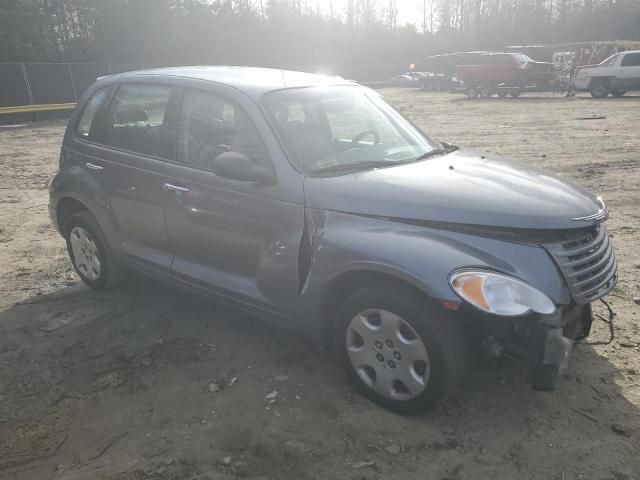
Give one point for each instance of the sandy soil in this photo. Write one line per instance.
(117, 386)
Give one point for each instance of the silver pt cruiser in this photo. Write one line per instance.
(309, 201)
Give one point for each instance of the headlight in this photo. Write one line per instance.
(499, 294)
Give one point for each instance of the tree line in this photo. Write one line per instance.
(356, 38)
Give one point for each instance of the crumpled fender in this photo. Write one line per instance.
(421, 256)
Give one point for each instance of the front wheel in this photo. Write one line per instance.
(599, 89)
(403, 352)
(90, 254)
(618, 93)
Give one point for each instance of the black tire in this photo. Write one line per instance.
(617, 93)
(485, 92)
(543, 378)
(439, 331)
(502, 93)
(600, 88)
(471, 93)
(111, 272)
(515, 93)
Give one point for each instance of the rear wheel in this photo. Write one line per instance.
(403, 352)
(618, 93)
(484, 92)
(472, 93)
(515, 93)
(599, 88)
(502, 93)
(90, 254)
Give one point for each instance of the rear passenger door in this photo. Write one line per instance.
(127, 154)
(628, 77)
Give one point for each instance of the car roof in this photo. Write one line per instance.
(253, 81)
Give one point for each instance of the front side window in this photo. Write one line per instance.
(88, 125)
(211, 125)
(136, 119)
(331, 129)
(631, 60)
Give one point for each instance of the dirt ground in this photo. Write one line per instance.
(118, 386)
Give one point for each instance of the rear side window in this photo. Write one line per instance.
(136, 120)
(631, 60)
(211, 125)
(88, 125)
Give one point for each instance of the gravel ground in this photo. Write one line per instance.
(149, 383)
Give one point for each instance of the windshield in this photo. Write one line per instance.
(611, 60)
(339, 129)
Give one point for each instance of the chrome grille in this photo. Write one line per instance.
(588, 264)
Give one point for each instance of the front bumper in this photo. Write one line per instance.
(581, 83)
(545, 342)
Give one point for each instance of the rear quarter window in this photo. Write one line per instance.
(631, 60)
(87, 125)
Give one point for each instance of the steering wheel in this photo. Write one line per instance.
(358, 138)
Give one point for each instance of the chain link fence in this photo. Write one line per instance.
(48, 90)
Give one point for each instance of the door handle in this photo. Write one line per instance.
(173, 188)
(93, 166)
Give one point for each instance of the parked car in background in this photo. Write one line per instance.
(614, 76)
(406, 80)
(309, 202)
(504, 73)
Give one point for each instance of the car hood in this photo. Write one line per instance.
(463, 187)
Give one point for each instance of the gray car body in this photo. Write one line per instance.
(285, 250)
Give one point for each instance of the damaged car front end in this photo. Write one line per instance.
(515, 254)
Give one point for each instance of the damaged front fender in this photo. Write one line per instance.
(424, 257)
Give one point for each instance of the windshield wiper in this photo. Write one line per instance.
(347, 167)
(441, 149)
(431, 153)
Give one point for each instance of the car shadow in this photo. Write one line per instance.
(146, 372)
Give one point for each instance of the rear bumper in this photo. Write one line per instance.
(53, 215)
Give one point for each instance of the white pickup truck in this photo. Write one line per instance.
(616, 75)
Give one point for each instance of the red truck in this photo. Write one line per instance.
(504, 73)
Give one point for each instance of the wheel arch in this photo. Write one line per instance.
(594, 80)
(345, 283)
(65, 209)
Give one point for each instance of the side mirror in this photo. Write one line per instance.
(237, 166)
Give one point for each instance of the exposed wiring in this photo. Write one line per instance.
(608, 321)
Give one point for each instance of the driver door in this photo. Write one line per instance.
(237, 240)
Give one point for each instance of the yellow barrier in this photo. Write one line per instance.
(37, 108)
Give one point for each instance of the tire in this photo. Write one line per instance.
(618, 93)
(417, 324)
(600, 88)
(471, 93)
(543, 378)
(484, 92)
(515, 93)
(502, 93)
(85, 244)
